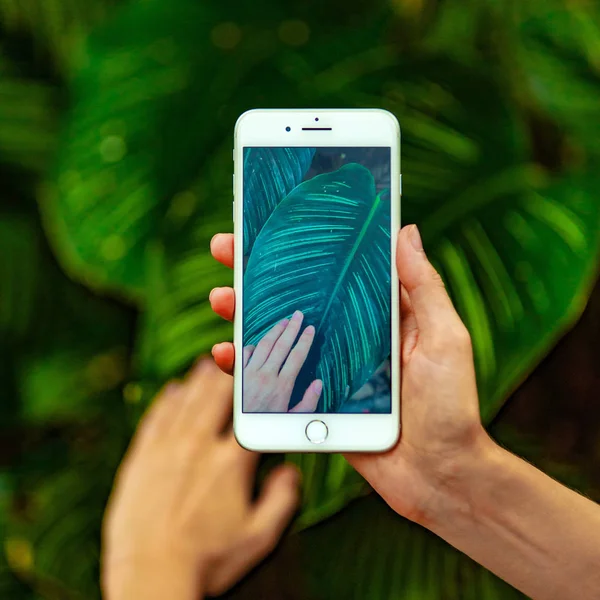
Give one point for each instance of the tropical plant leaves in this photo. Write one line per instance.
(325, 250)
(269, 175)
(500, 263)
(465, 147)
(393, 560)
(28, 120)
(54, 26)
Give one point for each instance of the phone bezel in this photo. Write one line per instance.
(276, 432)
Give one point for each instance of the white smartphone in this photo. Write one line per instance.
(316, 212)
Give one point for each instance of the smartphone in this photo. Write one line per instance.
(316, 212)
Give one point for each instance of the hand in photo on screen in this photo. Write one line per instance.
(271, 368)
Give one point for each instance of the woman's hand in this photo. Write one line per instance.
(445, 472)
(441, 428)
(181, 521)
(270, 369)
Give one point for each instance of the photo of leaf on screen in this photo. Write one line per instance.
(317, 285)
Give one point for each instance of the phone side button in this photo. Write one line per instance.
(317, 432)
(233, 211)
(400, 185)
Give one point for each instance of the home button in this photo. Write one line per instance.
(316, 432)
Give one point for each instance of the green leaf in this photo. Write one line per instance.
(325, 251)
(127, 153)
(381, 556)
(28, 120)
(270, 174)
(500, 246)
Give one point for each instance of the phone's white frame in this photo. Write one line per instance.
(275, 432)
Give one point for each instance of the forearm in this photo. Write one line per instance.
(154, 580)
(531, 531)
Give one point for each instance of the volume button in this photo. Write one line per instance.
(233, 211)
(233, 184)
(400, 184)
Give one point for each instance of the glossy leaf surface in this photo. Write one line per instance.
(325, 251)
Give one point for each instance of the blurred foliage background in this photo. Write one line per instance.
(116, 120)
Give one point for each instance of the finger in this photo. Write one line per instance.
(222, 301)
(224, 355)
(274, 508)
(245, 459)
(284, 344)
(264, 347)
(409, 330)
(273, 512)
(432, 307)
(159, 416)
(248, 351)
(309, 401)
(221, 247)
(208, 401)
(298, 355)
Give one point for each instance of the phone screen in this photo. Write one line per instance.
(317, 280)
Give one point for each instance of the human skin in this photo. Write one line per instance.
(270, 369)
(446, 473)
(181, 521)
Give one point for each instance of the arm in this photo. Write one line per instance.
(525, 527)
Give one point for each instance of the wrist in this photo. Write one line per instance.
(150, 577)
(460, 482)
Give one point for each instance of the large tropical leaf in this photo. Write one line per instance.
(325, 250)
(269, 175)
(381, 556)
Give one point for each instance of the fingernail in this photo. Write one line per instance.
(317, 387)
(285, 322)
(211, 294)
(297, 316)
(310, 330)
(415, 238)
(212, 351)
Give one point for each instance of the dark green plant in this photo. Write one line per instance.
(498, 108)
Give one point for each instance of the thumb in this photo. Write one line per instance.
(430, 302)
(275, 507)
(273, 511)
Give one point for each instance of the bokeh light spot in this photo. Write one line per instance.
(106, 371)
(19, 553)
(294, 32)
(132, 393)
(113, 247)
(113, 148)
(226, 35)
(182, 205)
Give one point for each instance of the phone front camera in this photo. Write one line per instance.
(288, 128)
(316, 118)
